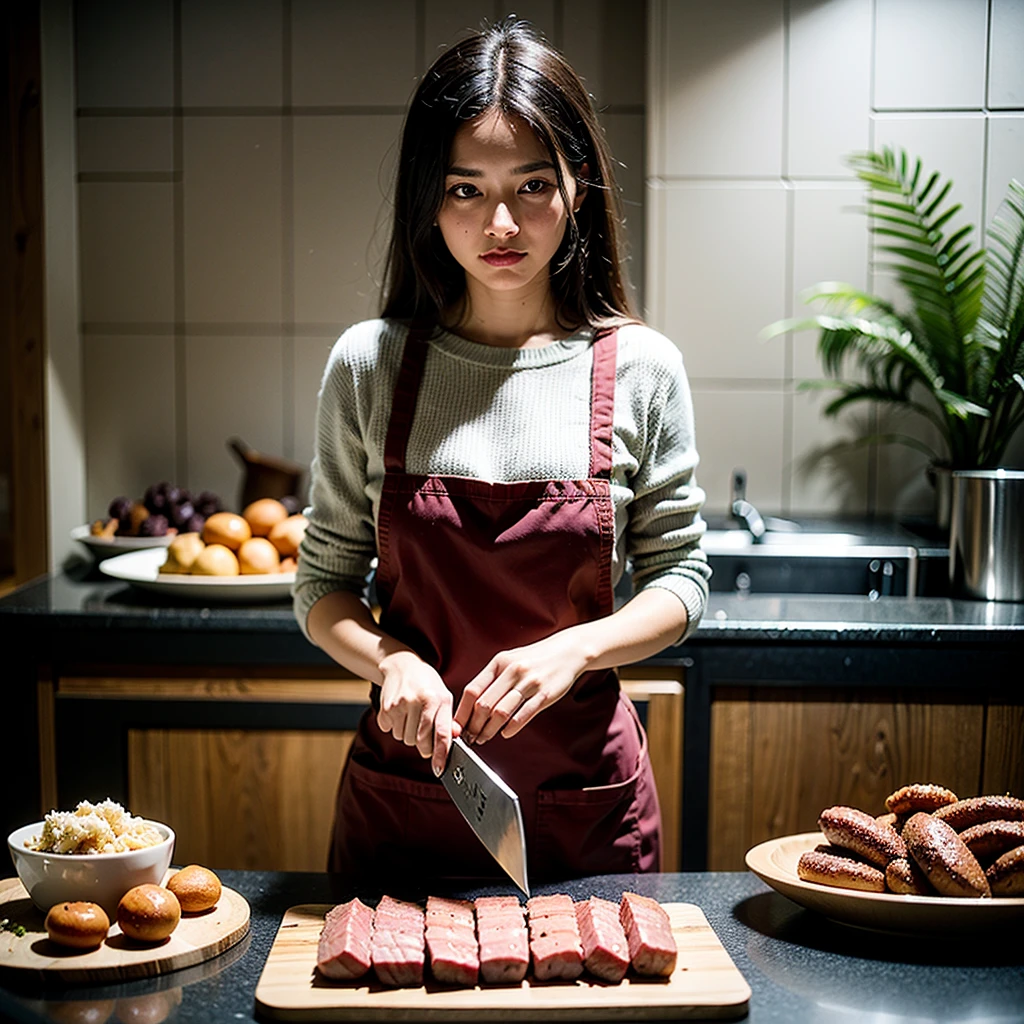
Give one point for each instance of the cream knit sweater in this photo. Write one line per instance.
(502, 415)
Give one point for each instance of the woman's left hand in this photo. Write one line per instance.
(515, 685)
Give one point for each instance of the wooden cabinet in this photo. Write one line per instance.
(245, 769)
(779, 757)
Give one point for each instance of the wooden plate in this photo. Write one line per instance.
(705, 984)
(774, 862)
(198, 937)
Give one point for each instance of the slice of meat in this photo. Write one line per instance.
(343, 951)
(605, 948)
(397, 947)
(502, 936)
(451, 941)
(546, 906)
(554, 938)
(652, 946)
(440, 909)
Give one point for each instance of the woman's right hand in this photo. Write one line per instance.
(416, 707)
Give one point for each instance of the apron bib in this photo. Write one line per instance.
(466, 569)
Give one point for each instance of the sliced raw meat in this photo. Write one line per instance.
(397, 946)
(344, 948)
(504, 946)
(554, 938)
(546, 906)
(451, 941)
(605, 949)
(652, 947)
(457, 911)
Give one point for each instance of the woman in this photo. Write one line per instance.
(503, 439)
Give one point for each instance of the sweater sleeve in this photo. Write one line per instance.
(339, 545)
(665, 525)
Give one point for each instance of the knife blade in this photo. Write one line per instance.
(490, 806)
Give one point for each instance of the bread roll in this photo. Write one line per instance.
(148, 913)
(257, 555)
(182, 553)
(215, 560)
(80, 1011)
(226, 528)
(263, 515)
(287, 535)
(78, 925)
(196, 887)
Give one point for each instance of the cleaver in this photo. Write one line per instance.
(490, 806)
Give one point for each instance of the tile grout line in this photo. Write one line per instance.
(420, 38)
(872, 452)
(288, 397)
(178, 242)
(788, 399)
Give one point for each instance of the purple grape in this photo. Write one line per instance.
(182, 513)
(119, 508)
(155, 498)
(292, 504)
(194, 525)
(207, 503)
(153, 526)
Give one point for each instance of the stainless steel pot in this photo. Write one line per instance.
(986, 538)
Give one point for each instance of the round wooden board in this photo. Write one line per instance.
(198, 937)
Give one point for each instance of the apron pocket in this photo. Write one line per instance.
(594, 831)
(399, 830)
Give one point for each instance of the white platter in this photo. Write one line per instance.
(142, 569)
(774, 862)
(107, 547)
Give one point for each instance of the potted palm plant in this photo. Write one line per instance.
(956, 356)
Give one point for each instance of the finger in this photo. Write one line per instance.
(392, 720)
(425, 730)
(523, 714)
(412, 725)
(500, 715)
(470, 695)
(442, 737)
(506, 693)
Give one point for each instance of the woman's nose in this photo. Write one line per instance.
(502, 223)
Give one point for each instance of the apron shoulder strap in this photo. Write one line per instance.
(602, 404)
(403, 399)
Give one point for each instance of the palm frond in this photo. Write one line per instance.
(945, 294)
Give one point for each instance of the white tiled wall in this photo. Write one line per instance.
(752, 105)
(235, 160)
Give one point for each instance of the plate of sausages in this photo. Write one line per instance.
(932, 862)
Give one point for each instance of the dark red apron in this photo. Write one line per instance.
(467, 569)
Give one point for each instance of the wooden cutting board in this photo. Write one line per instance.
(705, 984)
(198, 937)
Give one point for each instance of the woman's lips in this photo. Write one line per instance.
(503, 257)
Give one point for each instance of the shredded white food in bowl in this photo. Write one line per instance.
(105, 827)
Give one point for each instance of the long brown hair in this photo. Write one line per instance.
(510, 68)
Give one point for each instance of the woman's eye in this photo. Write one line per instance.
(463, 191)
(535, 186)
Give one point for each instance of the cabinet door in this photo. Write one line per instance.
(252, 799)
(778, 758)
(245, 770)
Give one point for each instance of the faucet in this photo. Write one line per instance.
(742, 509)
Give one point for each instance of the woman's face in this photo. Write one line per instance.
(503, 217)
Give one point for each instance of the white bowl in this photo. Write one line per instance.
(101, 878)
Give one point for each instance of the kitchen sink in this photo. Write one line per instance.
(810, 562)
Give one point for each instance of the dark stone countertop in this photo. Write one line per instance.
(83, 598)
(800, 967)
